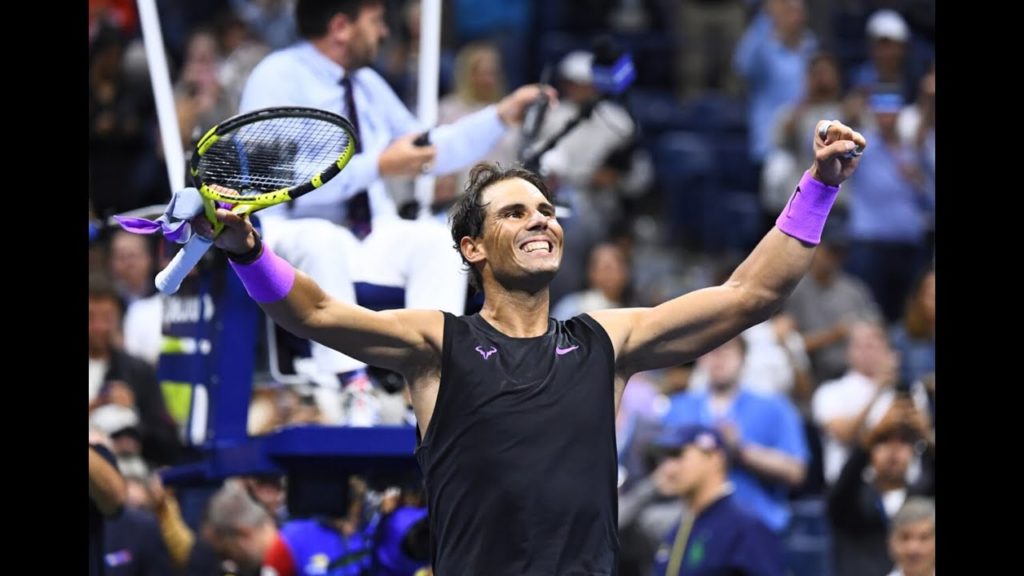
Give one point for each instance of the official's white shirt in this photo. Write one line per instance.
(300, 75)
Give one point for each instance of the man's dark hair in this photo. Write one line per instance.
(468, 216)
(312, 16)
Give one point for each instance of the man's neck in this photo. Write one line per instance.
(334, 52)
(517, 314)
(708, 496)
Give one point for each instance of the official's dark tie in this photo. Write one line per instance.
(358, 206)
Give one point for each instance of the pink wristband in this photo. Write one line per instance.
(805, 213)
(268, 278)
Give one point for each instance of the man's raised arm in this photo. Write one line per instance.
(690, 325)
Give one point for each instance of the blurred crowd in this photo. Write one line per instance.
(817, 425)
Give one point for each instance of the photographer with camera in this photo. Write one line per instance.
(588, 149)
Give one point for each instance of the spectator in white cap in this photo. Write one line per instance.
(606, 126)
(888, 38)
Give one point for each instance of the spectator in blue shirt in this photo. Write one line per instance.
(772, 57)
(889, 211)
(763, 432)
(718, 537)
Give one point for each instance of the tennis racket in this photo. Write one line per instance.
(268, 156)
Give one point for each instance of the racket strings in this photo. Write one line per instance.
(272, 154)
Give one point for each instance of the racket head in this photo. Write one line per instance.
(272, 155)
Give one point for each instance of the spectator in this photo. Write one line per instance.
(242, 530)
(718, 536)
(791, 153)
(772, 57)
(198, 94)
(763, 432)
(119, 113)
(131, 267)
(914, 337)
(592, 167)
(888, 40)
(872, 487)
(912, 538)
(133, 544)
(890, 211)
(608, 278)
(106, 499)
(916, 125)
(116, 377)
(858, 400)
(479, 82)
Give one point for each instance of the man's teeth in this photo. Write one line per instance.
(536, 245)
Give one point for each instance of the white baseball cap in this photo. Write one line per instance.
(889, 25)
(577, 66)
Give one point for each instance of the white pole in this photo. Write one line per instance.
(160, 78)
(426, 105)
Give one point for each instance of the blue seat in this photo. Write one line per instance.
(735, 168)
(684, 166)
(658, 111)
(732, 222)
(808, 541)
(719, 114)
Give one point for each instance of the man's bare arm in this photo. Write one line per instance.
(690, 325)
(393, 339)
(686, 327)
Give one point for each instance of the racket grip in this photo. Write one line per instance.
(169, 279)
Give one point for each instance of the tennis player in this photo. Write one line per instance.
(516, 410)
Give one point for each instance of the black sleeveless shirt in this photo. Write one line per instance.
(519, 458)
